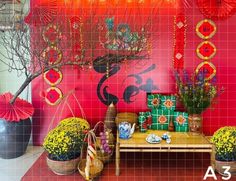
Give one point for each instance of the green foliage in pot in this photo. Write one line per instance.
(65, 141)
(224, 140)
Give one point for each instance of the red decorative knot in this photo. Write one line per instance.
(53, 96)
(162, 119)
(206, 50)
(206, 29)
(52, 55)
(53, 77)
(207, 69)
(180, 119)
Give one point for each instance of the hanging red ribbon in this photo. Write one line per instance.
(179, 40)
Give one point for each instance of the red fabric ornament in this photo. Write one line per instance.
(16, 112)
(51, 34)
(53, 77)
(207, 69)
(217, 9)
(206, 29)
(42, 14)
(53, 96)
(206, 50)
(179, 40)
(52, 54)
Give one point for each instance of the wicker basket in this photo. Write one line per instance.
(105, 157)
(95, 169)
(127, 117)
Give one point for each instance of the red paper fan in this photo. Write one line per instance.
(216, 9)
(42, 14)
(20, 110)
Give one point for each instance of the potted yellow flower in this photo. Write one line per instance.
(224, 140)
(63, 145)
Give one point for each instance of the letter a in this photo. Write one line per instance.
(210, 173)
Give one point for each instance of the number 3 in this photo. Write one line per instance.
(227, 174)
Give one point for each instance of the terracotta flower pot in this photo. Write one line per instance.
(195, 123)
(219, 166)
(63, 167)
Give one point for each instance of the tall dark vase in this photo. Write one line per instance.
(14, 138)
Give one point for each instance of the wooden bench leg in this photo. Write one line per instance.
(117, 159)
(213, 154)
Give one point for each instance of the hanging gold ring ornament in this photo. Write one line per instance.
(53, 96)
(52, 54)
(208, 69)
(53, 77)
(206, 50)
(51, 34)
(206, 29)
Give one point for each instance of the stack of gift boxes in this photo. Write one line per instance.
(162, 114)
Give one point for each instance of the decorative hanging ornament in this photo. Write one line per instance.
(179, 40)
(206, 29)
(217, 9)
(207, 69)
(53, 77)
(51, 34)
(52, 55)
(43, 13)
(206, 50)
(53, 96)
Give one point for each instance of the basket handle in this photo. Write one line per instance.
(62, 105)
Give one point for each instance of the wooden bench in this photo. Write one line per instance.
(180, 142)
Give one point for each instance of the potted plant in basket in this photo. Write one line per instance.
(63, 145)
(224, 140)
(196, 94)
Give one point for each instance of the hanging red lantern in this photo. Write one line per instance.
(217, 9)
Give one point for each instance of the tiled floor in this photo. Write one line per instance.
(14, 169)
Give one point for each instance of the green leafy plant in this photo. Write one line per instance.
(195, 93)
(65, 141)
(224, 140)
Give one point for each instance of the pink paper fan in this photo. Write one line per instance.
(42, 14)
(20, 110)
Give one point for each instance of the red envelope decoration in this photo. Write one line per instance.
(16, 112)
(53, 96)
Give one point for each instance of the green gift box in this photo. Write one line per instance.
(168, 102)
(161, 119)
(181, 121)
(154, 101)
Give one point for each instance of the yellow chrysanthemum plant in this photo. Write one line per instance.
(224, 140)
(64, 142)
